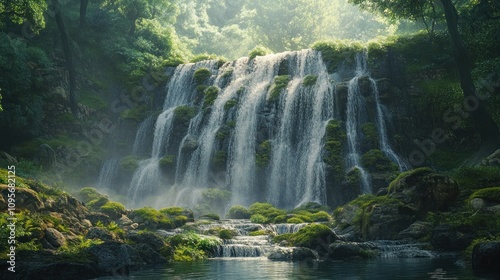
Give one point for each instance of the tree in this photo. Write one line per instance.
(134, 10)
(418, 9)
(20, 11)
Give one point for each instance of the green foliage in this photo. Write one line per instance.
(230, 104)
(210, 93)
(334, 141)
(155, 218)
(309, 236)
(264, 212)
(172, 211)
(129, 163)
(113, 209)
(97, 203)
(309, 80)
(413, 172)
(87, 194)
(219, 160)
(376, 161)
(226, 234)
(238, 212)
(279, 84)
(21, 11)
(190, 246)
(370, 134)
(489, 194)
(135, 114)
(258, 51)
(473, 178)
(263, 154)
(335, 52)
(258, 232)
(183, 115)
(201, 75)
(215, 197)
(321, 216)
(294, 220)
(259, 219)
(167, 162)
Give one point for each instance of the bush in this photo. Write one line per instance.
(226, 234)
(201, 75)
(88, 193)
(156, 219)
(238, 212)
(258, 51)
(294, 220)
(97, 203)
(259, 219)
(113, 209)
(190, 246)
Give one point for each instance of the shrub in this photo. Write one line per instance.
(210, 93)
(226, 234)
(201, 75)
(279, 83)
(294, 220)
(155, 218)
(190, 246)
(238, 212)
(259, 219)
(309, 80)
(113, 209)
(258, 51)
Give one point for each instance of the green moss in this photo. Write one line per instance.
(87, 194)
(230, 104)
(172, 211)
(267, 210)
(258, 51)
(180, 220)
(310, 207)
(113, 209)
(335, 138)
(370, 134)
(334, 53)
(183, 115)
(215, 197)
(259, 219)
(353, 177)
(473, 178)
(445, 159)
(321, 216)
(280, 219)
(167, 163)
(190, 246)
(309, 236)
(238, 212)
(490, 194)
(258, 232)
(156, 219)
(129, 163)
(201, 75)
(376, 161)
(97, 203)
(279, 84)
(228, 72)
(309, 80)
(219, 160)
(226, 234)
(294, 220)
(210, 216)
(222, 133)
(263, 154)
(413, 172)
(210, 93)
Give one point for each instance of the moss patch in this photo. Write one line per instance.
(376, 161)
(279, 84)
(258, 51)
(238, 212)
(201, 75)
(309, 80)
(263, 154)
(210, 93)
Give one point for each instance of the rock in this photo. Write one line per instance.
(281, 254)
(341, 250)
(124, 221)
(111, 257)
(86, 223)
(445, 237)
(134, 226)
(54, 237)
(424, 190)
(477, 203)
(486, 257)
(152, 240)
(101, 233)
(303, 254)
(45, 156)
(416, 230)
(61, 271)
(385, 221)
(95, 217)
(142, 254)
(494, 209)
(492, 160)
(25, 199)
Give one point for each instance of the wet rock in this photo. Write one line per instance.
(54, 237)
(45, 156)
(492, 160)
(341, 250)
(152, 240)
(416, 230)
(100, 233)
(111, 257)
(486, 257)
(95, 217)
(448, 238)
(143, 254)
(124, 221)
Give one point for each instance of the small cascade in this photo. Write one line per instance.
(355, 117)
(397, 249)
(286, 228)
(142, 143)
(244, 247)
(108, 173)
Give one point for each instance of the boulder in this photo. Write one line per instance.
(143, 254)
(486, 257)
(416, 231)
(448, 238)
(95, 217)
(341, 250)
(45, 156)
(385, 221)
(492, 160)
(54, 237)
(25, 199)
(424, 190)
(152, 240)
(111, 257)
(62, 270)
(100, 233)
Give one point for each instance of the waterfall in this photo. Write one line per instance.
(355, 117)
(260, 137)
(108, 173)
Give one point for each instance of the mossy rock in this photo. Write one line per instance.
(376, 161)
(97, 203)
(210, 216)
(263, 154)
(309, 80)
(370, 135)
(312, 236)
(488, 194)
(279, 84)
(150, 218)
(87, 194)
(210, 93)
(129, 164)
(183, 115)
(201, 75)
(238, 212)
(226, 234)
(230, 104)
(258, 51)
(267, 210)
(168, 164)
(113, 209)
(219, 160)
(259, 219)
(294, 220)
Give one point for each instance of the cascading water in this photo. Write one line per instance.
(247, 113)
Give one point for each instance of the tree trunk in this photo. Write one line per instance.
(483, 121)
(66, 45)
(83, 12)
(132, 27)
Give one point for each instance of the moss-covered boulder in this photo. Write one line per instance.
(485, 257)
(24, 198)
(313, 236)
(341, 250)
(238, 212)
(424, 190)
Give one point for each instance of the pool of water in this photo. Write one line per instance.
(262, 268)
